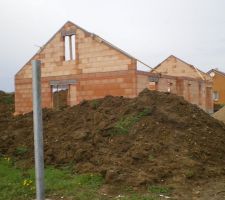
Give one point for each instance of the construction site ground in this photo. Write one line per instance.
(156, 141)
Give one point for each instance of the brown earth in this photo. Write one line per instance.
(156, 138)
(6, 109)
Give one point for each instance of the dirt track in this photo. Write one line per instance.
(156, 138)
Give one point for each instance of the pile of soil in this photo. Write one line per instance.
(155, 138)
(6, 109)
(220, 114)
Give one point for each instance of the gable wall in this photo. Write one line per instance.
(174, 67)
(98, 69)
(92, 55)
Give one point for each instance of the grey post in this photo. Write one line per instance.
(38, 130)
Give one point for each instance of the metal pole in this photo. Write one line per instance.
(38, 130)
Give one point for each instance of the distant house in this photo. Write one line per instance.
(218, 78)
(85, 66)
(190, 82)
(174, 66)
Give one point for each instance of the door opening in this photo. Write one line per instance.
(60, 95)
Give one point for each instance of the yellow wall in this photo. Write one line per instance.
(219, 86)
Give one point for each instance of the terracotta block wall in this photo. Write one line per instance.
(195, 91)
(175, 67)
(88, 86)
(72, 96)
(102, 84)
(23, 95)
(93, 55)
(142, 82)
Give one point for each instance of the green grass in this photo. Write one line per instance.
(7, 99)
(139, 197)
(11, 184)
(151, 158)
(95, 103)
(189, 174)
(155, 189)
(19, 184)
(21, 150)
(123, 125)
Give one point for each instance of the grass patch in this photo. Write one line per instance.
(123, 126)
(19, 185)
(151, 158)
(159, 189)
(145, 112)
(138, 197)
(7, 98)
(189, 174)
(12, 185)
(21, 150)
(95, 104)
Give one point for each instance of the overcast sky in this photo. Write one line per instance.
(150, 30)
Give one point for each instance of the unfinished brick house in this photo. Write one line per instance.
(88, 67)
(185, 80)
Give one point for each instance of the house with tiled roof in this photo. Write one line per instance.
(218, 78)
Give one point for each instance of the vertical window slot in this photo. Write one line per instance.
(73, 39)
(67, 48)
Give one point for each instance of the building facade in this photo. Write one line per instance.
(88, 67)
(187, 81)
(218, 78)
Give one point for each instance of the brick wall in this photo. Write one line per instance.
(175, 67)
(196, 91)
(94, 59)
(92, 55)
(102, 84)
(142, 82)
(88, 86)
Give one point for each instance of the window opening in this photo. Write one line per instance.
(73, 39)
(215, 95)
(70, 47)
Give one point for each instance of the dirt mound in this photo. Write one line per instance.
(220, 114)
(6, 109)
(156, 138)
